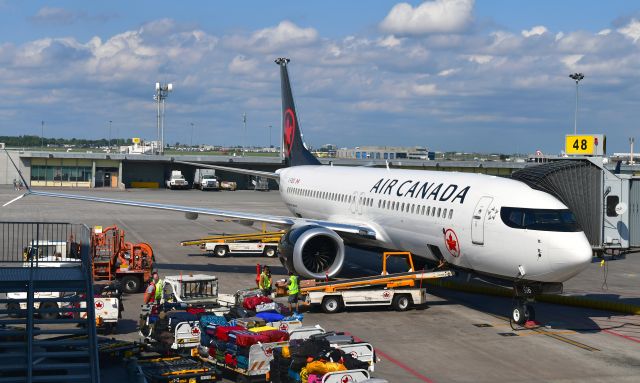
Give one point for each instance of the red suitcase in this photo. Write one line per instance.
(222, 332)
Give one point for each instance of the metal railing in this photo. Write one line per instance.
(34, 243)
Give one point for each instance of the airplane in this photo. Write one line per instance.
(491, 226)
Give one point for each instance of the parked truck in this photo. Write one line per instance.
(205, 179)
(177, 181)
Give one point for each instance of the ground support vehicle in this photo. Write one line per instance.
(113, 258)
(176, 181)
(169, 331)
(257, 366)
(199, 291)
(228, 185)
(107, 307)
(205, 179)
(264, 242)
(399, 290)
(186, 369)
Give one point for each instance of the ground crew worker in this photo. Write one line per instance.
(293, 288)
(159, 289)
(265, 281)
(150, 292)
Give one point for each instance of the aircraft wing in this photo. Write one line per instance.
(340, 228)
(250, 172)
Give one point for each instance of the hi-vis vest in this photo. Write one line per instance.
(159, 288)
(265, 282)
(293, 285)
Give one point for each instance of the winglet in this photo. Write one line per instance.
(24, 182)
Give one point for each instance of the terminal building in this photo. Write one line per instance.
(386, 153)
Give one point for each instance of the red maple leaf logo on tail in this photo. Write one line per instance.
(289, 130)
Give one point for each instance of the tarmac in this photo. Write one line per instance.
(457, 337)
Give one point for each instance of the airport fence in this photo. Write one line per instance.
(46, 243)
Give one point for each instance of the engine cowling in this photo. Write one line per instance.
(312, 251)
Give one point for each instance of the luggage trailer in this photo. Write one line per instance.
(399, 290)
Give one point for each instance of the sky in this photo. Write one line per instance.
(451, 75)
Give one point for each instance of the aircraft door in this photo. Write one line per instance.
(477, 222)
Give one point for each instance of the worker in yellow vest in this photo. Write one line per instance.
(293, 289)
(265, 281)
(159, 289)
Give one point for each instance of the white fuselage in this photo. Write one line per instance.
(455, 216)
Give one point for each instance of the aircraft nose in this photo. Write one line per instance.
(572, 257)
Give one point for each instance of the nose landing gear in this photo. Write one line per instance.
(523, 309)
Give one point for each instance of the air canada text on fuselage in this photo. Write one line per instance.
(421, 189)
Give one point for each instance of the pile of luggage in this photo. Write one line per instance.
(308, 360)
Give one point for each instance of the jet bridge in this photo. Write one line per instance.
(605, 204)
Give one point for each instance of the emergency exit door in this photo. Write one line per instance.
(477, 222)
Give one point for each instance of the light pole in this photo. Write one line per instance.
(632, 140)
(270, 136)
(110, 134)
(42, 136)
(577, 77)
(191, 135)
(162, 91)
(244, 143)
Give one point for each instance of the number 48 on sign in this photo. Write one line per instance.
(590, 145)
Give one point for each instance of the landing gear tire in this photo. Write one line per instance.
(221, 251)
(270, 252)
(131, 284)
(49, 306)
(401, 303)
(519, 315)
(14, 309)
(331, 305)
(531, 312)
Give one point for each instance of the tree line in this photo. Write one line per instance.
(37, 141)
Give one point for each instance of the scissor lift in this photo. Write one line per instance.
(399, 290)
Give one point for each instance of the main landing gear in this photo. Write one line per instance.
(523, 309)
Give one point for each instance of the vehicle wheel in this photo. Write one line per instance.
(331, 304)
(270, 252)
(401, 302)
(14, 309)
(531, 312)
(221, 251)
(519, 315)
(131, 284)
(49, 306)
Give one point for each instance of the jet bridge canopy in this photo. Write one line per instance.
(578, 184)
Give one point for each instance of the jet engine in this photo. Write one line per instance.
(312, 251)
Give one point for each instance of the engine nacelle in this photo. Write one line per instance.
(312, 251)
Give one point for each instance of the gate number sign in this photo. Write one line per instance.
(584, 144)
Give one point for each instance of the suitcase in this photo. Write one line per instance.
(212, 319)
(276, 335)
(261, 329)
(230, 360)
(222, 332)
(247, 338)
(250, 303)
(339, 339)
(270, 317)
(266, 307)
(250, 322)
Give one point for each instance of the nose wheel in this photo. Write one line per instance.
(522, 313)
(523, 309)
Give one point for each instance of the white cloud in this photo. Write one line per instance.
(631, 30)
(559, 35)
(604, 32)
(425, 89)
(480, 59)
(571, 60)
(241, 64)
(54, 15)
(389, 42)
(286, 34)
(538, 30)
(437, 16)
(448, 72)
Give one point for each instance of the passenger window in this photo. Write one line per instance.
(428, 210)
(450, 213)
(433, 212)
(612, 202)
(402, 208)
(438, 212)
(444, 213)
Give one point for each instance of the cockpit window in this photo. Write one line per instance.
(539, 219)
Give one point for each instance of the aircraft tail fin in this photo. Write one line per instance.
(295, 153)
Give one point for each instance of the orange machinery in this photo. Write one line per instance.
(115, 259)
